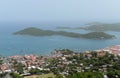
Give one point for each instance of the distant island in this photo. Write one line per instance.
(32, 31)
(96, 26)
(103, 27)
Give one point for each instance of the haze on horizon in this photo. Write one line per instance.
(59, 10)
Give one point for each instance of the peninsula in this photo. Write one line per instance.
(32, 31)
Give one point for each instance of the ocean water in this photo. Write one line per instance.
(16, 44)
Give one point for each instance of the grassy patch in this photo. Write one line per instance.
(50, 75)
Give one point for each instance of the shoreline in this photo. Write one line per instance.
(109, 48)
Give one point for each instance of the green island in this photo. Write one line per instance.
(97, 27)
(32, 31)
(103, 27)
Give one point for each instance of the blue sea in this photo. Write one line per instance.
(16, 44)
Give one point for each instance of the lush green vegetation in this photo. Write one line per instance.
(98, 35)
(19, 67)
(37, 71)
(15, 75)
(86, 75)
(89, 66)
(2, 75)
(39, 32)
(110, 74)
(35, 32)
(49, 75)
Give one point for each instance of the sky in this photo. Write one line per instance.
(59, 10)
